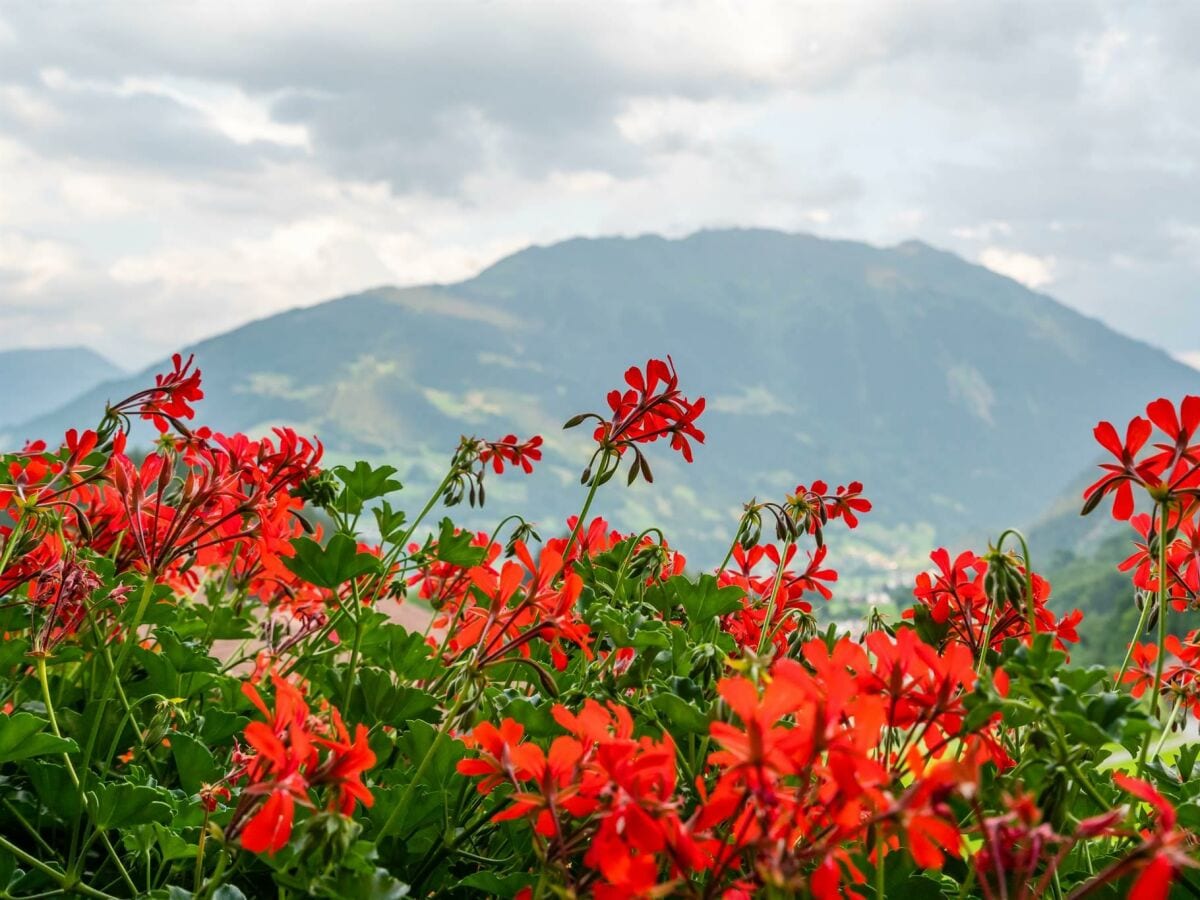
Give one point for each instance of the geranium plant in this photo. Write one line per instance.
(206, 694)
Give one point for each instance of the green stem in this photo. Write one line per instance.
(217, 879)
(1086, 786)
(733, 546)
(766, 627)
(355, 648)
(13, 538)
(50, 714)
(880, 870)
(44, 681)
(198, 878)
(403, 542)
(387, 563)
(66, 882)
(987, 638)
(1167, 730)
(597, 477)
(1031, 609)
(118, 672)
(1141, 627)
(1162, 609)
(33, 832)
(112, 684)
(106, 655)
(1162, 630)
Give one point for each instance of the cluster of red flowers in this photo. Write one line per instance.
(524, 601)
(844, 741)
(650, 407)
(1166, 557)
(854, 739)
(59, 598)
(493, 611)
(1180, 677)
(189, 505)
(822, 758)
(512, 451)
(471, 461)
(957, 597)
(1182, 556)
(1170, 473)
(775, 599)
(170, 400)
(597, 787)
(790, 589)
(811, 508)
(286, 764)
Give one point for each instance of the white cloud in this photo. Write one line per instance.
(984, 231)
(29, 265)
(1189, 357)
(757, 400)
(1032, 271)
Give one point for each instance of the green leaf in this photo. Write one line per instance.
(680, 715)
(651, 635)
(194, 761)
(377, 884)
(53, 787)
(536, 717)
(1081, 730)
(23, 735)
(364, 483)
(332, 565)
(171, 845)
(161, 676)
(1185, 761)
(399, 650)
(704, 600)
(12, 652)
(377, 699)
(219, 724)
(389, 521)
(495, 885)
(456, 549)
(117, 804)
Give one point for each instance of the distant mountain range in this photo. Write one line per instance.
(961, 399)
(35, 381)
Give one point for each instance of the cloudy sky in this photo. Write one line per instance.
(169, 170)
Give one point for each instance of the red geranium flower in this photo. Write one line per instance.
(1164, 849)
(652, 406)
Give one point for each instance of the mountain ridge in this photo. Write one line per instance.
(906, 367)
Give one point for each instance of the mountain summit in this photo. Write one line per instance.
(962, 400)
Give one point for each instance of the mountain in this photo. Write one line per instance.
(961, 399)
(37, 381)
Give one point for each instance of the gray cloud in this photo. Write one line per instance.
(214, 162)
